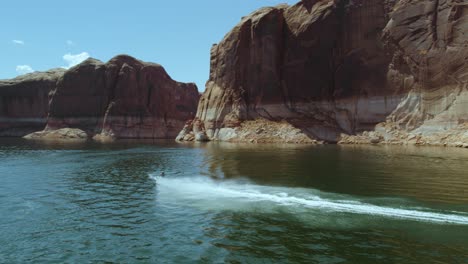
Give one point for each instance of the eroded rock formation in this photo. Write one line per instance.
(335, 68)
(24, 103)
(429, 44)
(123, 98)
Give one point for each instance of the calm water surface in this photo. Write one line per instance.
(224, 203)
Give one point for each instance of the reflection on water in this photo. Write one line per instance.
(429, 174)
(231, 203)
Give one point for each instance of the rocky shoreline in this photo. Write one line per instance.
(265, 131)
(252, 131)
(63, 134)
(384, 134)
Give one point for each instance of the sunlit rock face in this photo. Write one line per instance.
(339, 67)
(24, 103)
(123, 98)
(429, 43)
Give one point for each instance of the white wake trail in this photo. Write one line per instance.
(231, 195)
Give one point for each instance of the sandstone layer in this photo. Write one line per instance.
(338, 68)
(24, 103)
(123, 98)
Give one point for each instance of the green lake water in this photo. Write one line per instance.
(162, 202)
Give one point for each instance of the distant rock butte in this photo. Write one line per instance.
(123, 98)
(24, 103)
(334, 69)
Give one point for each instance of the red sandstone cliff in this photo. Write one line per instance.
(332, 68)
(123, 98)
(24, 103)
(428, 41)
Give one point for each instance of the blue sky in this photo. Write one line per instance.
(39, 35)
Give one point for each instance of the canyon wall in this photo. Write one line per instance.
(338, 68)
(123, 98)
(24, 103)
(429, 43)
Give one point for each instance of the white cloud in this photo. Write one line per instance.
(23, 69)
(74, 59)
(70, 43)
(19, 42)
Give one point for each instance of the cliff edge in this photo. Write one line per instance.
(123, 98)
(335, 69)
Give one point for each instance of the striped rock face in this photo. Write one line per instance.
(24, 103)
(429, 43)
(339, 67)
(123, 98)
